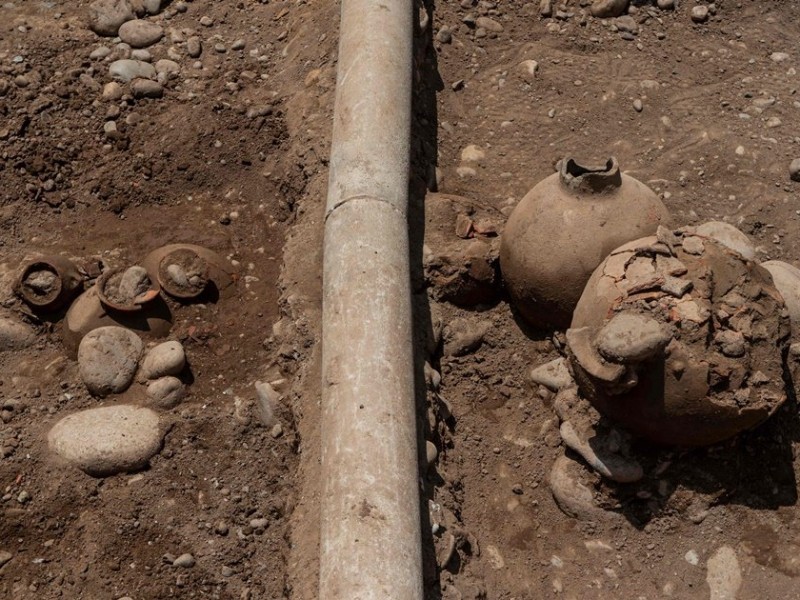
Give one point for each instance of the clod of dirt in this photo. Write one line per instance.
(183, 274)
(107, 359)
(559, 232)
(14, 335)
(461, 251)
(571, 493)
(462, 336)
(109, 440)
(691, 368)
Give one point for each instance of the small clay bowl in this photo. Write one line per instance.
(109, 301)
(65, 284)
(191, 264)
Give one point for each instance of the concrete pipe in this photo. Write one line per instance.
(370, 527)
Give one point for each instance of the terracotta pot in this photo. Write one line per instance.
(112, 304)
(220, 274)
(63, 287)
(87, 313)
(720, 368)
(563, 228)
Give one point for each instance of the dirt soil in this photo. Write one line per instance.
(234, 156)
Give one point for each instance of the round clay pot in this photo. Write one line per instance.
(563, 228)
(786, 278)
(220, 274)
(88, 313)
(192, 277)
(109, 301)
(718, 371)
(60, 281)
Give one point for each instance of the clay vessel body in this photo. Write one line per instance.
(87, 313)
(702, 389)
(564, 228)
(68, 282)
(220, 274)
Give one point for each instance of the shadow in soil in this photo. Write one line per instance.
(424, 152)
(754, 469)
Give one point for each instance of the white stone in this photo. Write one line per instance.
(166, 392)
(107, 359)
(109, 440)
(140, 33)
(126, 69)
(165, 359)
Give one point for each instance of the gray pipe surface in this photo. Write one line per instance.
(370, 543)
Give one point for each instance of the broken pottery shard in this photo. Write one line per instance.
(580, 344)
(554, 375)
(693, 245)
(599, 457)
(675, 286)
(631, 338)
(729, 236)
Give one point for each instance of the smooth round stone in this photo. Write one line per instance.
(146, 88)
(166, 392)
(106, 16)
(107, 359)
(165, 359)
(126, 69)
(170, 67)
(729, 236)
(631, 338)
(140, 33)
(109, 440)
(15, 335)
(153, 7)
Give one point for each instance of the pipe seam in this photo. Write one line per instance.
(366, 197)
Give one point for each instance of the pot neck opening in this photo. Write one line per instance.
(591, 179)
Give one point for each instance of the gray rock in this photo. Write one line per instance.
(109, 440)
(146, 88)
(141, 54)
(489, 24)
(140, 33)
(14, 334)
(153, 7)
(184, 560)
(609, 8)
(666, 4)
(126, 69)
(631, 338)
(168, 67)
(598, 456)
(100, 53)
(166, 392)
(106, 16)
(107, 359)
(699, 14)
(794, 170)
(786, 278)
(554, 375)
(194, 47)
(268, 400)
(627, 23)
(5, 556)
(165, 359)
(133, 283)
